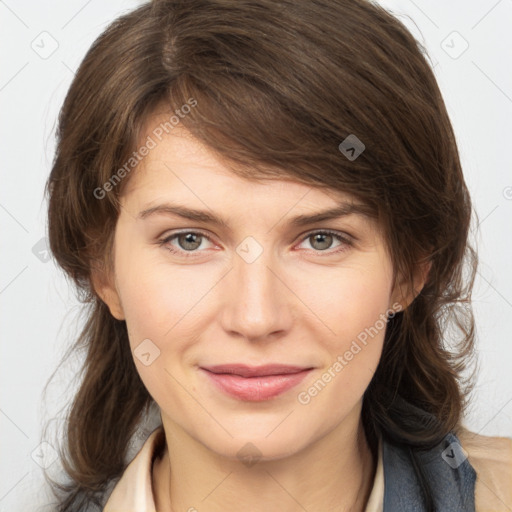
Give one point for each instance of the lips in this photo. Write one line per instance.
(255, 383)
(255, 371)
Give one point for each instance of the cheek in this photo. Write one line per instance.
(348, 300)
(162, 312)
(154, 298)
(351, 304)
(153, 306)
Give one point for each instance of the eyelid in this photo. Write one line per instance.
(346, 240)
(302, 236)
(197, 231)
(342, 234)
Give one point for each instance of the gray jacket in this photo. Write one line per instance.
(448, 472)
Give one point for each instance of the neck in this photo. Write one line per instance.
(335, 473)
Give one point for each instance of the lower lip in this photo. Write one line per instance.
(256, 389)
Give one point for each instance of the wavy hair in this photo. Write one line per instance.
(278, 85)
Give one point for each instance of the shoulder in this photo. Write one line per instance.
(491, 458)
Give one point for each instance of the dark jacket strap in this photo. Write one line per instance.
(447, 470)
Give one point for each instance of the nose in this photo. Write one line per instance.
(257, 304)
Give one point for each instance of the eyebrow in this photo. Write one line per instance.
(342, 210)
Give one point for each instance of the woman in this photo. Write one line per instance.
(264, 206)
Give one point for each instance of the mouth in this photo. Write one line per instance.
(255, 383)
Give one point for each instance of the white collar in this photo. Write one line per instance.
(134, 491)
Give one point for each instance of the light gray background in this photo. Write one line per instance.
(39, 312)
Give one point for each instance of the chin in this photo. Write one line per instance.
(251, 450)
(269, 439)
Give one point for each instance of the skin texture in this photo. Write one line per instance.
(295, 304)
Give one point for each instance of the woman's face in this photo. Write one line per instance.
(260, 288)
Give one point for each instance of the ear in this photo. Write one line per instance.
(402, 292)
(104, 286)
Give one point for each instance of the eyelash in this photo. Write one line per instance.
(190, 254)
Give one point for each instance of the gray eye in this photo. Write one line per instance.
(189, 241)
(323, 241)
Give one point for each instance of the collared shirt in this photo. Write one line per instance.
(134, 492)
(454, 467)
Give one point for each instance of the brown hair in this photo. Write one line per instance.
(277, 86)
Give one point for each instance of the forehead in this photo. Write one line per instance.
(181, 178)
(178, 160)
